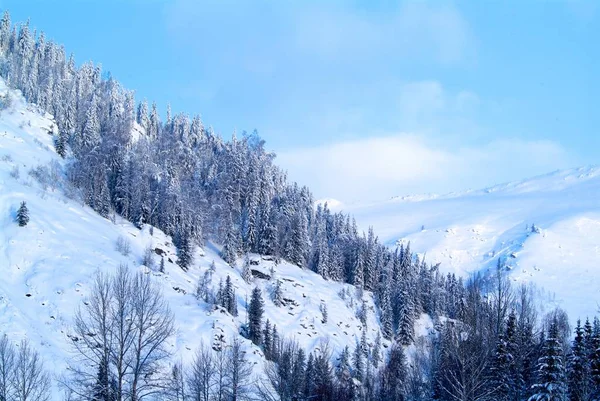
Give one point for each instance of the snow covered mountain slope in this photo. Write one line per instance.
(469, 231)
(46, 267)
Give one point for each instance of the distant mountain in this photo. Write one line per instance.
(546, 229)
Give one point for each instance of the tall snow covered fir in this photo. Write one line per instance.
(487, 340)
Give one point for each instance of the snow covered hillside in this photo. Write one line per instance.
(469, 231)
(46, 267)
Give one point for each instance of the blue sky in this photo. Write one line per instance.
(361, 100)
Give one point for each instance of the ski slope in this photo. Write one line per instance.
(46, 268)
(467, 232)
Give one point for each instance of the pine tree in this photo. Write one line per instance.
(255, 314)
(343, 373)
(267, 340)
(23, 215)
(185, 252)
(386, 315)
(229, 300)
(594, 357)
(230, 247)
(393, 377)
(579, 368)
(406, 320)
(550, 385)
(358, 359)
(376, 354)
(246, 272)
(505, 374)
(310, 379)
(275, 344)
(277, 294)
(161, 267)
(61, 144)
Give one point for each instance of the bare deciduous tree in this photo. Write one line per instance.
(31, 382)
(202, 374)
(119, 339)
(7, 366)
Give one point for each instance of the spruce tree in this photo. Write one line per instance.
(60, 144)
(255, 314)
(277, 293)
(267, 340)
(579, 367)
(393, 376)
(246, 272)
(23, 215)
(551, 380)
(229, 300)
(505, 375)
(594, 357)
(185, 252)
(358, 358)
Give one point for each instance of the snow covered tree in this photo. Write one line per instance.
(185, 251)
(376, 353)
(386, 315)
(358, 359)
(23, 215)
(228, 298)
(231, 246)
(267, 340)
(505, 375)
(255, 315)
(393, 377)
(277, 293)
(579, 368)
(551, 383)
(246, 272)
(60, 144)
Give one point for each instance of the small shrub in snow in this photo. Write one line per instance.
(42, 175)
(123, 246)
(323, 309)
(15, 173)
(148, 257)
(7, 158)
(5, 101)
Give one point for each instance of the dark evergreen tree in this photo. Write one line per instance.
(23, 215)
(60, 144)
(267, 340)
(505, 374)
(579, 368)
(255, 315)
(551, 380)
(184, 251)
(393, 377)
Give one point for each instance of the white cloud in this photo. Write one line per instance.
(377, 168)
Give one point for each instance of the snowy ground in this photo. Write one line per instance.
(468, 231)
(47, 266)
